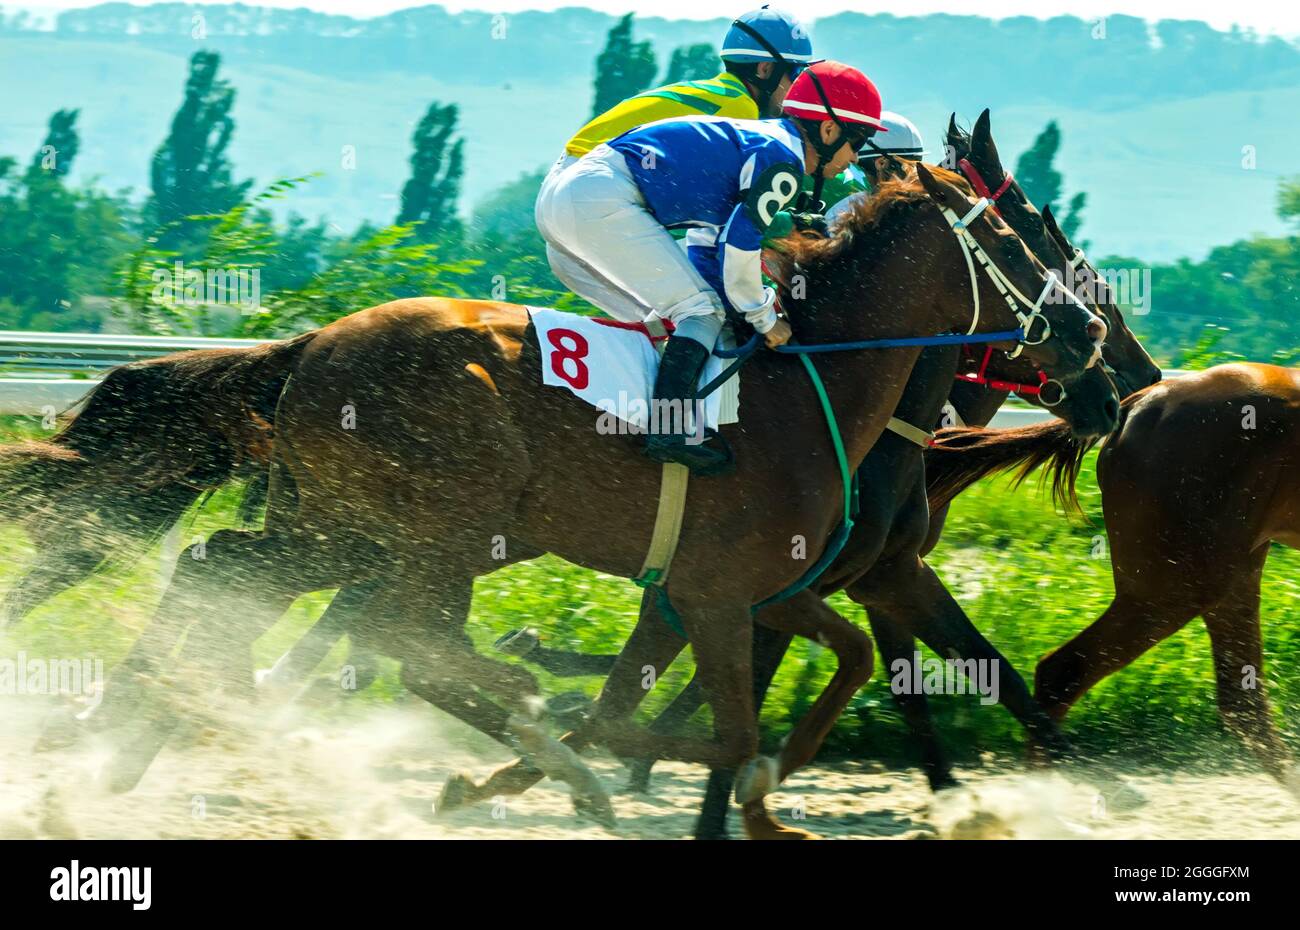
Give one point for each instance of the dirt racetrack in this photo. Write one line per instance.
(376, 775)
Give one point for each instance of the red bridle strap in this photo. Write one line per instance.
(977, 181)
(983, 380)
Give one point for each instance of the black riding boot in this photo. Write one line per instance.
(704, 452)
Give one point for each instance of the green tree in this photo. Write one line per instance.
(624, 68)
(370, 267)
(429, 197)
(58, 245)
(191, 173)
(1288, 200)
(1043, 184)
(60, 147)
(692, 63)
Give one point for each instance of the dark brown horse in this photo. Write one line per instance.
(1202, 476)
(882, 567)
(412, 438)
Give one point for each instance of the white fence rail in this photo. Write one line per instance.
(44, 373)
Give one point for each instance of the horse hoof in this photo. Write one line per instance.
(760, 825)
(61, 730)
(459, 791)
(568, 709)
(944, 781)
(1291, 781)
(518, 643)
(129, 763)
(124, 771)
(756, 778)
(595, 807)
(1124, 797)
(638, 775)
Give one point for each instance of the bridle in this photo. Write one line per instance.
(981, 378)
(1014, 297)
(973, 253)
(977, 181)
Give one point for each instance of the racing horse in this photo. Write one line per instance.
(1201, 478)
(882, 566)
(406, 440)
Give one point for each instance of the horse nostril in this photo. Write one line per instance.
(1112, 410)
(1097, 330)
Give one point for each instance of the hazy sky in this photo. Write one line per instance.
(1276, 16)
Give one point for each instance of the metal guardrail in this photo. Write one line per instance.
(42, 362)
(44, 373)
(84, 353)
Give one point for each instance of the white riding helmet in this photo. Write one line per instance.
(903, 139)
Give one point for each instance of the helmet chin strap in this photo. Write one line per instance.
(890, 157)
(768, 85)
(825, 150)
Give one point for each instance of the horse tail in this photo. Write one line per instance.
(149, 440)
(962, 456)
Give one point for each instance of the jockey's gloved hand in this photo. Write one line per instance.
(781, 226)
(814, 222)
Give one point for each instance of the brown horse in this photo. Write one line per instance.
(1202, 476)
(413, 439)
(882, 566)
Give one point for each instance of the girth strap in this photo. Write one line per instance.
(911, 433)
(668, 523)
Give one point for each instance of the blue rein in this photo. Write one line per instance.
(742, 353)
(902, 342)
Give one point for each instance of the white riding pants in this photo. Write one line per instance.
(605, 244)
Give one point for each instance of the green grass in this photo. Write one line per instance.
(1029, 578)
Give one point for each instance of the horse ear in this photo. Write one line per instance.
(1052, 226)
(952, 126)
(983, 151)
(941, 192)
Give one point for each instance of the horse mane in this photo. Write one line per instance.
(865, 219)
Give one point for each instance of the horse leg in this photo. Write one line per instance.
(1233, 625)
(913, 590)
(562, 663)
(652, 645)
(1129, 627)
(769, 649)
(440, 665)
(291, 669)
(807, 615)
(242, 585)
(897, 644)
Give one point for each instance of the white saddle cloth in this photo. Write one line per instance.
(612, 366)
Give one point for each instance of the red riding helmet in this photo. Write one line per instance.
(849, 94)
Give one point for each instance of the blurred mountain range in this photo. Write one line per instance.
(1179, 133)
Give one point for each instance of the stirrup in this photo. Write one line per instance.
(713, 456)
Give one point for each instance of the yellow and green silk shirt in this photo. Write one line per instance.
(724, 95)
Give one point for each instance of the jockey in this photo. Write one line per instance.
(880, 159)
(723, 180)
(762, 52)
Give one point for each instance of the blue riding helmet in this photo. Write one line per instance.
(756, 35)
